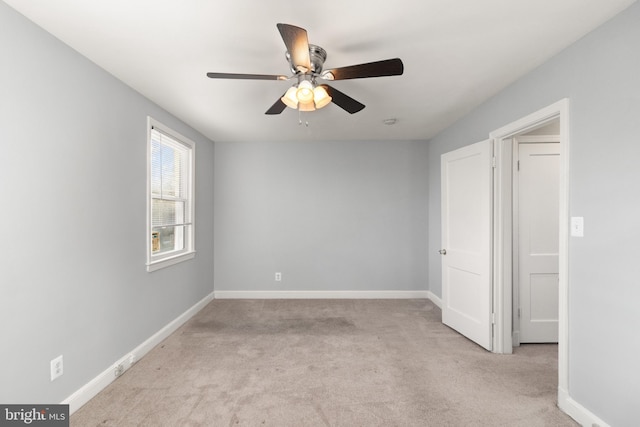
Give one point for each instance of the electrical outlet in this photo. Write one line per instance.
(56, 368)
(118, 370)
(278, 277)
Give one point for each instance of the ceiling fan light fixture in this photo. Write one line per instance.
(306, 62)
(305, 92)
(321, 97)
(290, 99)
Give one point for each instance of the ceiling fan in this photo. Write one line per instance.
(306, 61)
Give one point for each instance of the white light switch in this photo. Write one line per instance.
(577, 226)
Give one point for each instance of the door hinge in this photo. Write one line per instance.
(518, 164)
(519, 315)
(493, 162)
(493, 318)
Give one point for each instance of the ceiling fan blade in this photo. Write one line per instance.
(295, 38)
(387, 67)
(246, 76)
(277, 108)
(343, 101)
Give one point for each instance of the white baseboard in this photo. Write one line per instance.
(96, 385)
(435, 299)
(578, 412)
(320, 294)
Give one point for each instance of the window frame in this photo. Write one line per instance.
(156, 262)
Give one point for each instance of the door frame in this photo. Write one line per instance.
(517, 140)
(503, 233)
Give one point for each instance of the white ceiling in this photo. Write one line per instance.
(456, 54)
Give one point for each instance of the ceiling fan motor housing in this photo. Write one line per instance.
(317, 56)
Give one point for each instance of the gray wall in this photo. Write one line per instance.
(328, 215)
(73, 186)
(601, 76)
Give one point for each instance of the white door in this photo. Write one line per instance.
(466, 241)
(537, 234)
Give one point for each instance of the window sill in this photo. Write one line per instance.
(166, 262)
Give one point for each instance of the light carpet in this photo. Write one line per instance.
(328, 363)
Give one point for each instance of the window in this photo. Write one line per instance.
(170, 202)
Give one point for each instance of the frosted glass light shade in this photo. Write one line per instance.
(306, 106)
(290, 99)
(321, 97)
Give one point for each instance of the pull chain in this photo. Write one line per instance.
(306, 123)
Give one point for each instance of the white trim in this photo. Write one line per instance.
(526, 139)
(515, 239)
(435, 299)
(578, 412)
(563, 302)
(156, 262)
(166, 262)
(532, 121)
(558, 110)
(100, 382)
(502, 249)
(321, 294)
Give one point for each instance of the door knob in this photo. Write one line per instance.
(442, 251)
